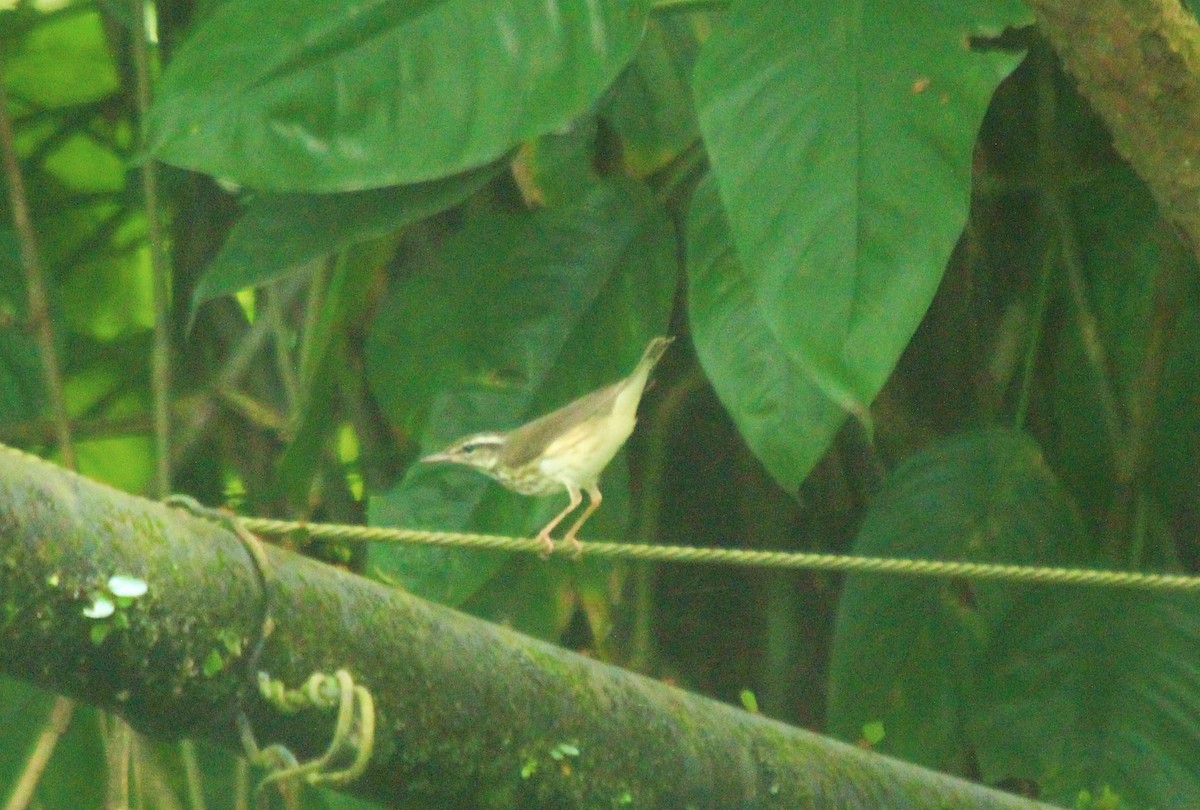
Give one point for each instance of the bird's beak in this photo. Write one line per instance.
(436, 457)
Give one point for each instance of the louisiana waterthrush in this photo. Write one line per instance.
(565, 449)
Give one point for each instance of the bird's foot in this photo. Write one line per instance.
(576, 546)
(548, 542)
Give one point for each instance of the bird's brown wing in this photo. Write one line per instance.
(526, 442)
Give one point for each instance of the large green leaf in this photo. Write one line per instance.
(301, 95)
(1073, 688)
(841, 135)
(1087, 688)
(518, 314)
(343, 301)
(906, 650)
(279, 232)
(771, 396)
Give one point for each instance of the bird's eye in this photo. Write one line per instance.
(475, 445)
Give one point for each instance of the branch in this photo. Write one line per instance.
(1138, 63)
(35, 280)
(469, 714)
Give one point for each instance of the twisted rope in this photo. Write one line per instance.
(997, 572)
(742, 557)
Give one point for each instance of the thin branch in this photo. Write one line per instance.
(118, 750)
(56, 725)
(237, 363)
(39, 307)
(160, 377)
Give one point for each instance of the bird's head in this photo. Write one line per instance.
(480, 451)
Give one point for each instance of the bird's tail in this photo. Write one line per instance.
(654, 352)
(629, 391)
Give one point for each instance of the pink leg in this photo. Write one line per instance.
(544, 534)
(594, 498)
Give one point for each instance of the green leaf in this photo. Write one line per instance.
(650, 106)
(1072, 688)
(559, 167)
(536, 608)
(840, 136)
(299, 95)
(1094, 688)
(777, 406)
(517, 315)
(280, 232)
(1117, 220)
(906, 651)
(62, 61)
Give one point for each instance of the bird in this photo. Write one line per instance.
(566, 449)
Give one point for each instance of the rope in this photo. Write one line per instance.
(725, 556)
(743, 557)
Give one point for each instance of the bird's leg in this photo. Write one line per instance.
(544, 534)
(594, 499)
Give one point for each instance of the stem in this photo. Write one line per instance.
(192, 774)
(689, 5)
(160, 367)
(283, 358)
(680, 171)
(229, 375)
(1059, 217)
(119, 755)
(56, 725)
(1035, 332)
(39, 307)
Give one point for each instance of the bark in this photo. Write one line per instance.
(1138, 64)
(469, 714)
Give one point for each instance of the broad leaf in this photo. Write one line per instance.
(279, 232)
(770, 394)
(1139, 325)
(906, 650)
(300, 95)
(1083, 687)
(1174, 472)
(840, 136)
(1072, 688)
